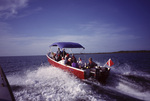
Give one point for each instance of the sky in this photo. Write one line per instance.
(29, 27)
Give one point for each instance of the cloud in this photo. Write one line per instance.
(9, 8)
(20, 45)
(94, 37)
(103, 37)
(102, 28)
(29, 12)
(5, 28)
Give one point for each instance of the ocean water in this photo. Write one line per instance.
(32, 78)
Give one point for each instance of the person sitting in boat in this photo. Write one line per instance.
(54, 56)
(73, 58)
(58, 58)
(63, 53)
(80, 63)
(69, 62)
(66, 58)
(62, 61)
(91, 64)
(75, 64)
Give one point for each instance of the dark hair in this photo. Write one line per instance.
(90, 59)
(74, 61)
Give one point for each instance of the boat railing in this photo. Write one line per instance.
(4, 95)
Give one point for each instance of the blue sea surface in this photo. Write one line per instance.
(32, 78)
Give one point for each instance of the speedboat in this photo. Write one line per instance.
(100, 73)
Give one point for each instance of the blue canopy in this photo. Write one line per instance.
(67, 45)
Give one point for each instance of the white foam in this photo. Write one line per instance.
(124, 69)
(123, 88)
(127, 86)
(50, 83)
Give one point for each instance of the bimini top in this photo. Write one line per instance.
(67, 45)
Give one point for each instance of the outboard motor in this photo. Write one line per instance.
(102, 73)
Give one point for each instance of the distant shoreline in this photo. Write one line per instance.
(140, 51)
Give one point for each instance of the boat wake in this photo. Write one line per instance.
(130, 82)
(49, 83)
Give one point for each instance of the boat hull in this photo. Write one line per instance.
(77, 72)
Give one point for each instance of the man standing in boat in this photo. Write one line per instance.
(63, 53)
(58, 52)
(59, 55)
